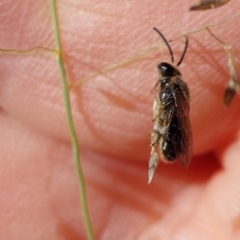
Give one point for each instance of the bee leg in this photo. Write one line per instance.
(153, 163)
(155, 86)
(154, 158)
(155, 135)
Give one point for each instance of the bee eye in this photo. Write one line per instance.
(166, 69)
(163, 69)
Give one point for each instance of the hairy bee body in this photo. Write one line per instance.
(171, 137)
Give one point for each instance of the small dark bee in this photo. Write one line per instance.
(208, 4)
(171, 137)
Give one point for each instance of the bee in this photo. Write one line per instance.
(208, 4)
(171, 137)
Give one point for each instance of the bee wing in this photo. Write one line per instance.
(185, 131)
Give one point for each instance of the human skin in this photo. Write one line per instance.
(113, 119)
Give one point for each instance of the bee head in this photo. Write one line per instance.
(167, 70)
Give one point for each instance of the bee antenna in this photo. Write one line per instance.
(166, 42)
(184, 51)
